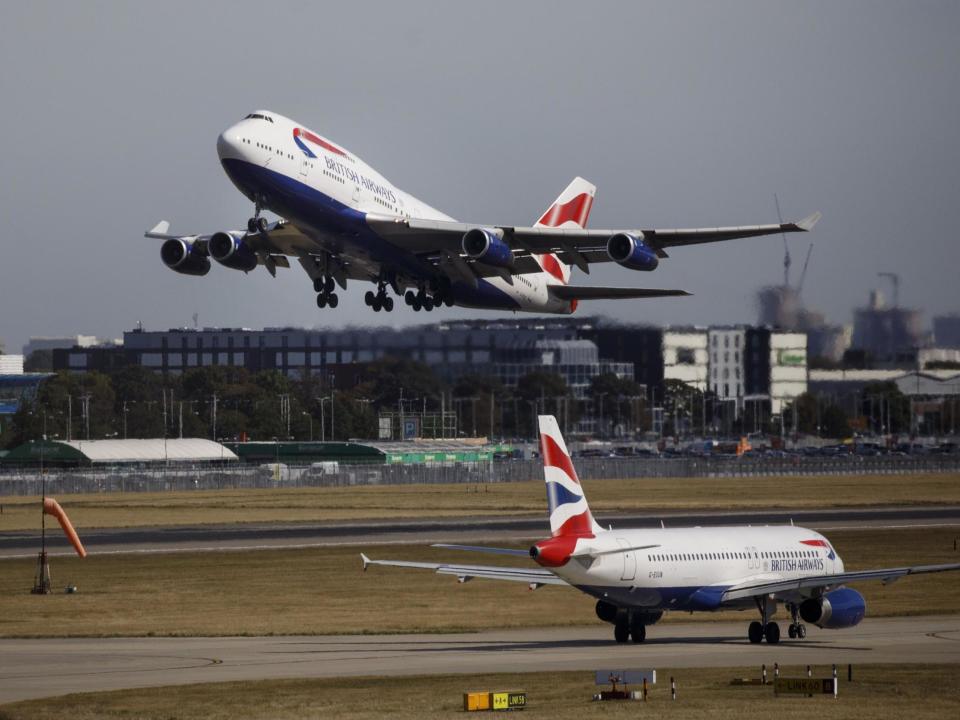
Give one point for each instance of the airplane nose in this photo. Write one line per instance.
(228, 143)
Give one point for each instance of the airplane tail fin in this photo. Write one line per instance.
(570, 209)
(567, 503)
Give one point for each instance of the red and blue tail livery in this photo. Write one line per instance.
(569, 512)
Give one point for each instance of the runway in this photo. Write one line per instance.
(43, 668)
(276, 535)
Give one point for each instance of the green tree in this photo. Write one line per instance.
(885, 407)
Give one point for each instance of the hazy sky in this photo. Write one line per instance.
(683, 114)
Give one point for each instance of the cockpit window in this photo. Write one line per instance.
(257, 116)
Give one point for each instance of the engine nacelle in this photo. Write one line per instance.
(631, 252)
(184, 257)
(231, 251)
(488, 247)
(553, 552)
(840, 608)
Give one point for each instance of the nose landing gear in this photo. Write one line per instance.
(257, 223)
(797, 629)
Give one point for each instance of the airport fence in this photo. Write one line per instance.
(206, 477)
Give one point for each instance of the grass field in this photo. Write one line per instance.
(878, 691)
(324, 591)
(499, 499)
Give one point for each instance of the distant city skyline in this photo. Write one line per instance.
(683, 114)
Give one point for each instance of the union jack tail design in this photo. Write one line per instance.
(571, 209)
(569, 512)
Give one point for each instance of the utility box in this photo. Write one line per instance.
(476, 701)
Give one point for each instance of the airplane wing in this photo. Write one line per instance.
(574, 246)
(887, 575)
(534, 577)
(271, 245)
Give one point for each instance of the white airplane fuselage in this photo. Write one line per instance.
(690, 568)
(328, 192)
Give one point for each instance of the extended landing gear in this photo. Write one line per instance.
(422, 300)
(257, 223)
(324, 287)
(765, 628)
(379, 300)
(797, 629)
(629, 627)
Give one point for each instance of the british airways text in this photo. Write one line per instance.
(354, 176)
(794, 565)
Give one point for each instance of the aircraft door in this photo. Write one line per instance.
(629, 561)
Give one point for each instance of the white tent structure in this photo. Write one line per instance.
(151, 450)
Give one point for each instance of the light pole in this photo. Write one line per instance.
(310, 418)
(323, 428)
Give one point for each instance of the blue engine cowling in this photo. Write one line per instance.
(488, 247)
(631, 252)
(184, 257)
(231, 251)
(840, 608)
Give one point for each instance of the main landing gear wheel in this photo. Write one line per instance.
(755, 632)
(772, 633)
(638, 632)
(325, 298)
(621, 631)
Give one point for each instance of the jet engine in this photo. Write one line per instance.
(488, 247)
(841, 608)
(231, 251)
(631, 252)
(185, 257)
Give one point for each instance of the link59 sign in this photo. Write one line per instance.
(804, 686)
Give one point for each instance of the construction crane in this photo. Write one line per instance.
(803, 273)
(895, 281)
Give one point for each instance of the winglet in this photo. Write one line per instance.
(366, 561)
(809, 221)
(161, 228)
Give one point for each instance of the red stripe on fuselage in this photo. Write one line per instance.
(300, 132)
(553, 456)
(576, 209)
(815, 543)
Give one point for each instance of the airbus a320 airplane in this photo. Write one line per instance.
(344, 221)
(637, 575)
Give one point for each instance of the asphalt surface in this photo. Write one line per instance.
(252, 536)
(43, 668)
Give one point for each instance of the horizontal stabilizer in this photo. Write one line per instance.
(484, 549)
(573, 292)
(534, 577)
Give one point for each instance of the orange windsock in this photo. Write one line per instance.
(52, 507)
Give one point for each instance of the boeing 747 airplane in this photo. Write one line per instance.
(342, 221)
(638, 575)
